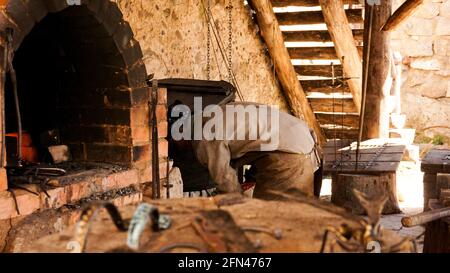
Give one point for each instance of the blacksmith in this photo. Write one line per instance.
(281, 149)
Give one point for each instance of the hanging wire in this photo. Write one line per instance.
(223, 53)
(208, 42)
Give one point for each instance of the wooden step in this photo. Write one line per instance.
(326, 105)
(338, 119)
(341, 134)
(317, 36)
(314, 17)
(323, 86)
(318, 70)
(317, 53)
(303, 3)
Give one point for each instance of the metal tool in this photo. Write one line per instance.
(156, 191)
(143, 214)
(84, 224)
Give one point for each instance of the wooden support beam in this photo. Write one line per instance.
(296, 97)
(342, 37)
(376, 116)
(401, 14)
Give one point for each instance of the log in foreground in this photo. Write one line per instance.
(271, 33)
(300, 223)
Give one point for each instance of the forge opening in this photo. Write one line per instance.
(73, 89)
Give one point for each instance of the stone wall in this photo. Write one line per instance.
(173, 37)
(424, 42)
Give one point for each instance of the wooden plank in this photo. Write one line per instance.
(344, 44)
(317, 70)
(304, 3)
(326, 105)
(316, 53)
(293, 91)
(317, 36)
(345, 120)
(401, 14)
(349, 167)
(341, 134)
(324, 86)
(385, 157)
(314, 17)
(399, 149)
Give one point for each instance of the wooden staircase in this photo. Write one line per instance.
(312, 52)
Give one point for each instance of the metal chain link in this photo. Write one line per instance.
(230, 40)
(208, 42)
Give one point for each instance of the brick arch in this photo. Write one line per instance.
(124, 78)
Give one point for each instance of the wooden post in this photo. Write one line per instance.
(344, 43)
(376, 116)
(296, 97)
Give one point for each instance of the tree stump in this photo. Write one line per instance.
(344, 184)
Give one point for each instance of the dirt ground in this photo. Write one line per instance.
(410, 192)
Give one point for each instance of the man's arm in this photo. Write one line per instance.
(215, 155)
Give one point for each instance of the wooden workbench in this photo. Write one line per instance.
(435, 162)
(302, 226)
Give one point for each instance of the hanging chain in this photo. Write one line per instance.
(230, 40)
(208, 42)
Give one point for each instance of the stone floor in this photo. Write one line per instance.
(410, 193)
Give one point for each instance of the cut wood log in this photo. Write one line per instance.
(344, 44)
(344, 184)
(425, 217)
(317, 36)
(401, 14)
(376, 116)
(317, 53)
(303, 3)
(314, 17)
(271, 33)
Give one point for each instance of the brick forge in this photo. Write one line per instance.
(99, 104)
